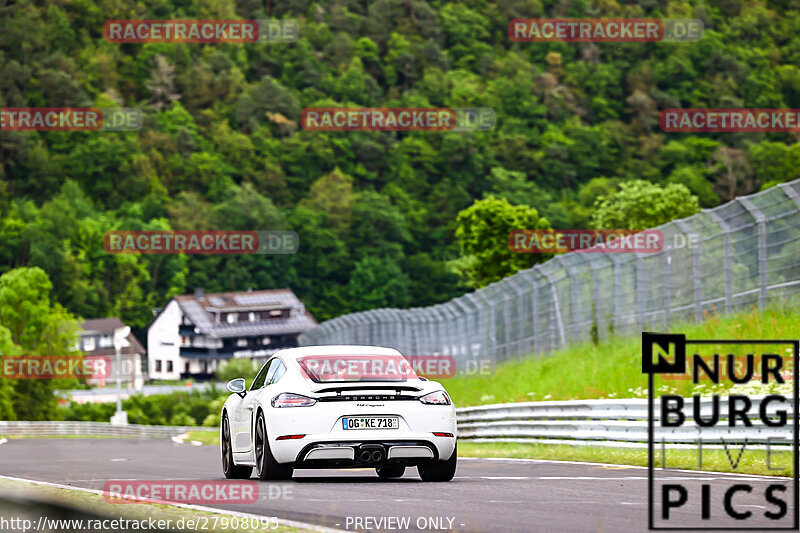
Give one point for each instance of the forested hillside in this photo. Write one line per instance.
(222, 148)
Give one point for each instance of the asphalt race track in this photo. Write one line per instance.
(486, 495)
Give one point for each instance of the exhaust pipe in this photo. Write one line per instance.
(370, 454)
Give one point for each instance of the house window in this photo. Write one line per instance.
(169, 366)
(265, 341)
(276, 313)
(251, 316)
(88, 344)
(106, 341)
(241, 342)
(186, 368)
(158, 365)
(232, 317)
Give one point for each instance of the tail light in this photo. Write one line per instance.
(290, 437)
(439, 397)
(287, 399)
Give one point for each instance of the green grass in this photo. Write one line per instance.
(171, 381)
(95, 503)
(612, 369)
(206, 437)
(714, 460)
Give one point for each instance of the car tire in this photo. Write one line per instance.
(439, 470)
(389, 472)
(267, 468)
(229, 468)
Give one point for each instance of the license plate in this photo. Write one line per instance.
(371, 422)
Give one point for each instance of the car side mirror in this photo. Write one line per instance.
(237, 386)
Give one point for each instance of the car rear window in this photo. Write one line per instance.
(356, 368)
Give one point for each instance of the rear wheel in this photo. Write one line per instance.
(266, 466)
(392, 471)
(439, 470)
(231, 470)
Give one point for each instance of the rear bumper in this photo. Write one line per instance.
(372, 453)
(321, 424)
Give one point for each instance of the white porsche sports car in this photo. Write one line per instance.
(338, 407)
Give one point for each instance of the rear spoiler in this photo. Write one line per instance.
(367, 386)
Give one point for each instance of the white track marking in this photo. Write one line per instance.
(551, 461)
(281, 521)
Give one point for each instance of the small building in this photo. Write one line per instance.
(194, 333)
(97, 340)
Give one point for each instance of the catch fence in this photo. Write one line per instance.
(743, 254)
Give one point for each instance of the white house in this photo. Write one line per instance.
(193, 333)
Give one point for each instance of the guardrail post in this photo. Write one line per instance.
(697, 289)
(501, 287)
(596, 318)
(761, 223)
(556, 311)
(490, 334)
(439, 337)
(667, 288)
(640, 289)
(463, 315)
(534, 308)
(616, 264)
(726, 257)
(480, 332)
(530, 277)
(573, 281)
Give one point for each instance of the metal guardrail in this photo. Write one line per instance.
(109, 394)
(95, 429)
(620, 422)
(613, 422)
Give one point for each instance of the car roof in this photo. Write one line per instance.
(335, 349)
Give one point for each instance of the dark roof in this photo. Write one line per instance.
(106, 326)
(199, 308)
(102, 325)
